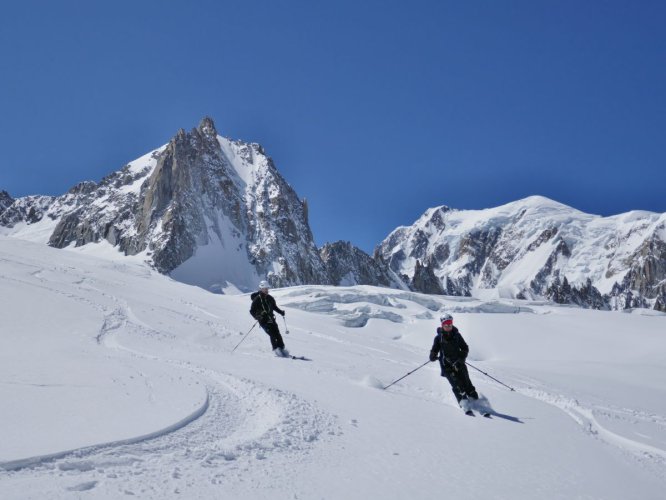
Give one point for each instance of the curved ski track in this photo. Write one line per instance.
(240, 422)
(586, 415)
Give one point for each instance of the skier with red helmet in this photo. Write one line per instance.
(451, 349)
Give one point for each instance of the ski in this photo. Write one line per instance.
(300, 358)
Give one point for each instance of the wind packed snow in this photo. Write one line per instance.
(220, 265)
(119, 382)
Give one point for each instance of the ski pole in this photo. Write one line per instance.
(406, 375)
(507, 386)
(286, 330)
(248, 332)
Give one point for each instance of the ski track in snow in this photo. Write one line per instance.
(586, 416)
(239, 423)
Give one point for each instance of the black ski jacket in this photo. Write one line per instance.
(449, 348)
(263, 306)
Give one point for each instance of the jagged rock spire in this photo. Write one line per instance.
(198, 191)
(207, 127)
(349, 265)
(5, 200)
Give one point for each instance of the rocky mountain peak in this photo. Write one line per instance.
(204, 209)
(207, 127)
(349, 265)
(5, 200)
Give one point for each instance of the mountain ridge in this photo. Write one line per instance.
(215, 212)
(537, 248)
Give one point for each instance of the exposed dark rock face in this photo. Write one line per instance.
(478, 252)
(545, 236)
(660, 303)
(549, 270)
(644, 285)
(349, 265)
(647, 268)
(586, 295)
(425, 281)
(29, 209)
(5, 201)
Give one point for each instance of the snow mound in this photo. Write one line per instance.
(374, 382)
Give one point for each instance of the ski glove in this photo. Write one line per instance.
(433, 356)
(282, 313)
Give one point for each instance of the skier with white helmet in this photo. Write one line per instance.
(451, 349)
(263, 306)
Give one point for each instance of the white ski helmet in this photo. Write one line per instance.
(263, 285)
(446, 318)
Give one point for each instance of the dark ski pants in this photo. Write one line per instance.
(273, 332)
(460, 383)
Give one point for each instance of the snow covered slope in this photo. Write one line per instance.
(117, 381)
(538, 248)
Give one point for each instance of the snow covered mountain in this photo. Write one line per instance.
(203, 208)
(535, 248)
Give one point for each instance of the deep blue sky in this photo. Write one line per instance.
(373, 110)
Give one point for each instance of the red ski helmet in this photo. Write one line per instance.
(446, 319)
